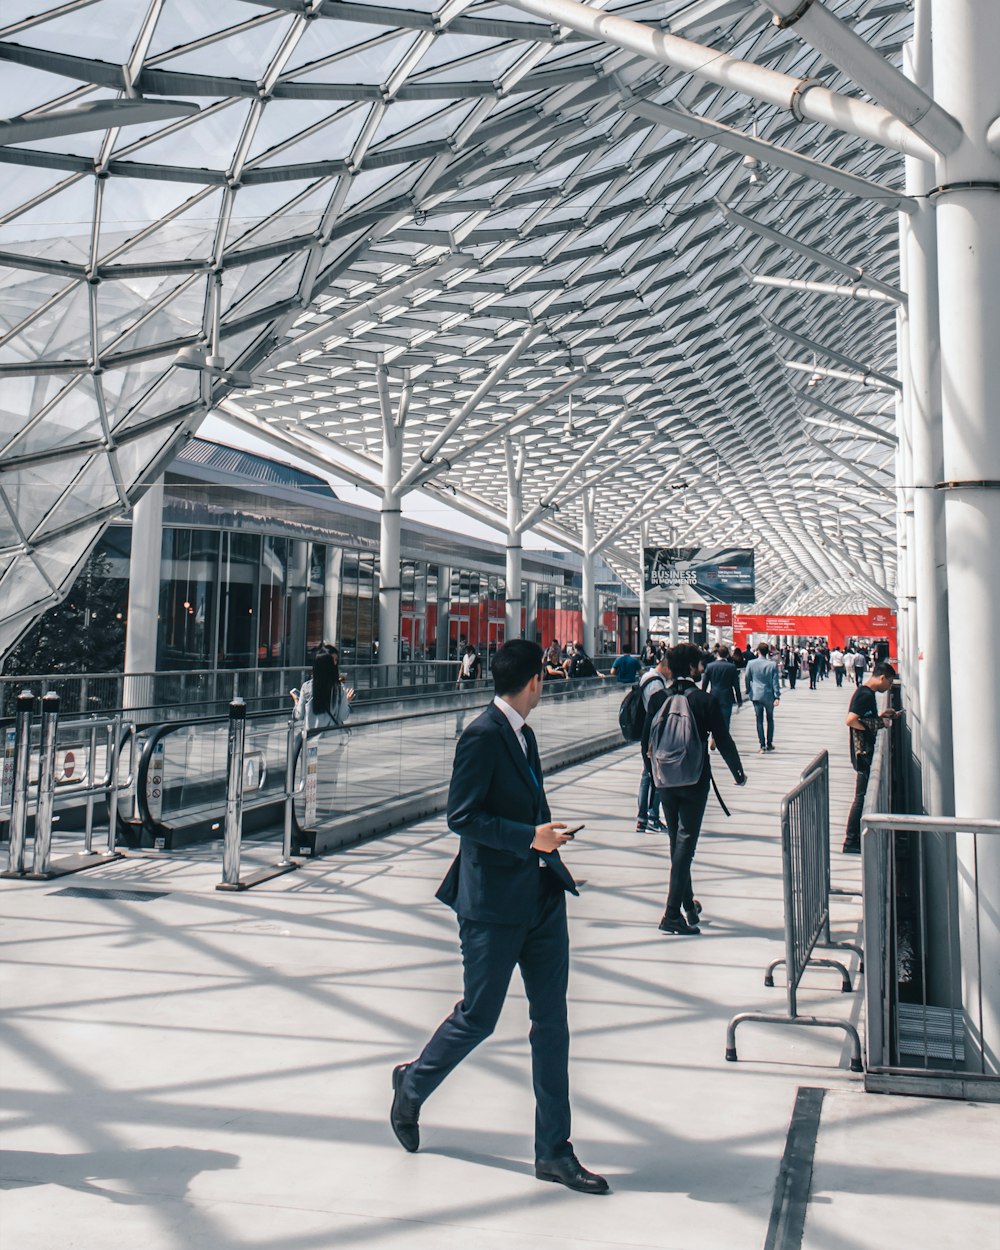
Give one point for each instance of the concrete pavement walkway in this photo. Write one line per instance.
(189, 1070)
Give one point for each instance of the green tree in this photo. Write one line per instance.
(83, 634)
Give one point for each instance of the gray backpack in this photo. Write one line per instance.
(676, 749)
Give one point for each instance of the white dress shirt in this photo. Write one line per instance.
(515, 718)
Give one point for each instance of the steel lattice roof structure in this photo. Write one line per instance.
(319, 216)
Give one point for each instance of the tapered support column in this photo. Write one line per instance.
(390, 525)
(928, 556)
(589, 605)
(643, 596)
(142, 628)
(515, 470)
(967, 197)
(331, 593)
(443, 647)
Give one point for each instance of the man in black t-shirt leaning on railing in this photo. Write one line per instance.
(864, 721)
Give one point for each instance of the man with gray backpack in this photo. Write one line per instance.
(675, 737)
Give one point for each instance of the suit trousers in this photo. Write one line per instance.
(683, 810)
(490, 953)
(760, 711)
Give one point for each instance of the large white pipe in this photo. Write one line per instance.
(803, 98)
(930, 585)
(866, 66)
(824, 288)
(967, 200)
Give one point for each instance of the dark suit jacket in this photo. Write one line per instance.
(723, 679)
(494, 804)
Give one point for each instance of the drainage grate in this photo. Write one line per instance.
(126, 896)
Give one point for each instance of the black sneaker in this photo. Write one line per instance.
(851, 848)
(655, 826)
(640, 826)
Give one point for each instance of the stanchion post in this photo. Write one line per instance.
(46, 784)
(114, 748)
(234, 797)
(286, 846)
(19, 791)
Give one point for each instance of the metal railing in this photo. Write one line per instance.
(64, 761)
(933, 1024)
(337, 792)
(184, 692)
(805, 858)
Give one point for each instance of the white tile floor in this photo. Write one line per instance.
(212, 1071)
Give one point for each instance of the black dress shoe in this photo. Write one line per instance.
(678, 926)
(851, 848)
(569, 1171)
(405, 1113)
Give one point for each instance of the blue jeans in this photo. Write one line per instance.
(649, 798)
(760, 710)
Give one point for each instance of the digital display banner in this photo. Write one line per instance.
(717, 575)
(720, 614)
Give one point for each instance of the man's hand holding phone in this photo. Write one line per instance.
(552, 836)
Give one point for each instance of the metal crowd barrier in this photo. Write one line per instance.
(91, 784)
(805, 855)
(931, 995)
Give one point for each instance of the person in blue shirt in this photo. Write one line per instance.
(626, 668)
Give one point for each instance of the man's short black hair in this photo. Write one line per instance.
(682, 659)
(884, 670)
(515, 664)
(763, 648)
(723, 653)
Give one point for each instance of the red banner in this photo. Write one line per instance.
(881, 620)
(720, 614)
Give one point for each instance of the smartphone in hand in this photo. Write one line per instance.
(572, 831)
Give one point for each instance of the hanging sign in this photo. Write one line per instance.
(880, 620)
(720, 614)
(717, 575)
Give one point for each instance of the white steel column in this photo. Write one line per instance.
(331, 593)
(928, 555)
(514, 457)
(904, 514)
(967, 197)
(643, 596)
(142, 628)
(675, 621)
(589, 604)
(390, 525)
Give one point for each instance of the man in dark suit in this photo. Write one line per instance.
(508, 886)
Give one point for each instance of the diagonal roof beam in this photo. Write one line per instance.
(769, 153)
(803, 98)
(811, 253)
(503, 427)
(821, 349)
(828, 34)
(550, 496)
(619, 527)
(883, 436)
(499, 370)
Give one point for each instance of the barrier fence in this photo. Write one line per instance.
(805, 857)
(75, 759)
(929, 894)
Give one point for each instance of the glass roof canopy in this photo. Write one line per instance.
(459, 213)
